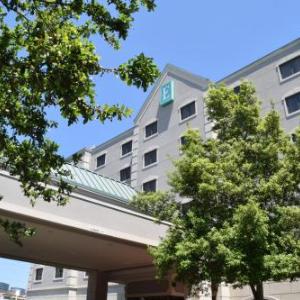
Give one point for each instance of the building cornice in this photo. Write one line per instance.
(243, 72)
(114, 140)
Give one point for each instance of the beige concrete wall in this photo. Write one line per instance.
(273, 291)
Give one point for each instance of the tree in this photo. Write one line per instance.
(250, 161)
(47, 60)
(259, 247)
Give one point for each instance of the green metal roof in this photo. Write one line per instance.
(102, 185)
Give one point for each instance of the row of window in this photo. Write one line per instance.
(149, 159)
(287, 70)
(125, 174)
(58, 273)
(292, 103)
(126, 149)
(151, 129)
(186, 112)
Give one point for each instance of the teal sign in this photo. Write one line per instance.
(167, 93)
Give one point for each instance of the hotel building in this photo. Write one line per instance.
(141, 155)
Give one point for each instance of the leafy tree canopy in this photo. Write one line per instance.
(47, 60)
(258, 246)
(243, 188)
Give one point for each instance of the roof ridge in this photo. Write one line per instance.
(198, 80)
(93, 150)
(262, 59)
(175, 67)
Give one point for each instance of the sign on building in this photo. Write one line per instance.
(167, 93)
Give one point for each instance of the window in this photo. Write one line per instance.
(86, 275)
(101, 160)
(150, 157)
(59, 272)
(38, 274)
(127, 148)
(125, 174)
(188, 110)
(290, 67)
(293, 137)
(151, 129)
(149, 186)
(183, 140)
(293, 103)
(237, 89)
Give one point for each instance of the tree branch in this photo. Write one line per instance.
(14, 9)
(109, 70)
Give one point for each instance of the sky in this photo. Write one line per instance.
(212, 38)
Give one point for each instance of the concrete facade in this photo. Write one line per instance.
(72, 286)
(84, 236)
(271, 87)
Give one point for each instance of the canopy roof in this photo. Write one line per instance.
(99, 184)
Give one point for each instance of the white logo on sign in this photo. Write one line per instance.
(166, 92)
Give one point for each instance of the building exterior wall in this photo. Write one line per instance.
(114, 160)
(166, 141)
(170, 128)
(72, 286)
(273, 291)
(271, 89)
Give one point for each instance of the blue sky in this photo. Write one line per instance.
(211, 38)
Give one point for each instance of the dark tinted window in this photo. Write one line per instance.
(293, 103)
(188, 110)
(59, 272)
(150, 157)
(149, 186)
(237, 89)
(127, 148)
(39, 274)
(183, 140)
(101, 160)
(290, 67)
(151, 129)
(125, 174)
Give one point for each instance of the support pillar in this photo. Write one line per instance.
(97, 286)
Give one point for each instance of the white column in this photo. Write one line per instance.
(71, 278)
(97, 286)
(72, 295)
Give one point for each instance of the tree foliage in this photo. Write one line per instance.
(258, 246)
(162, 205)
(47, 60)
(242, 222)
